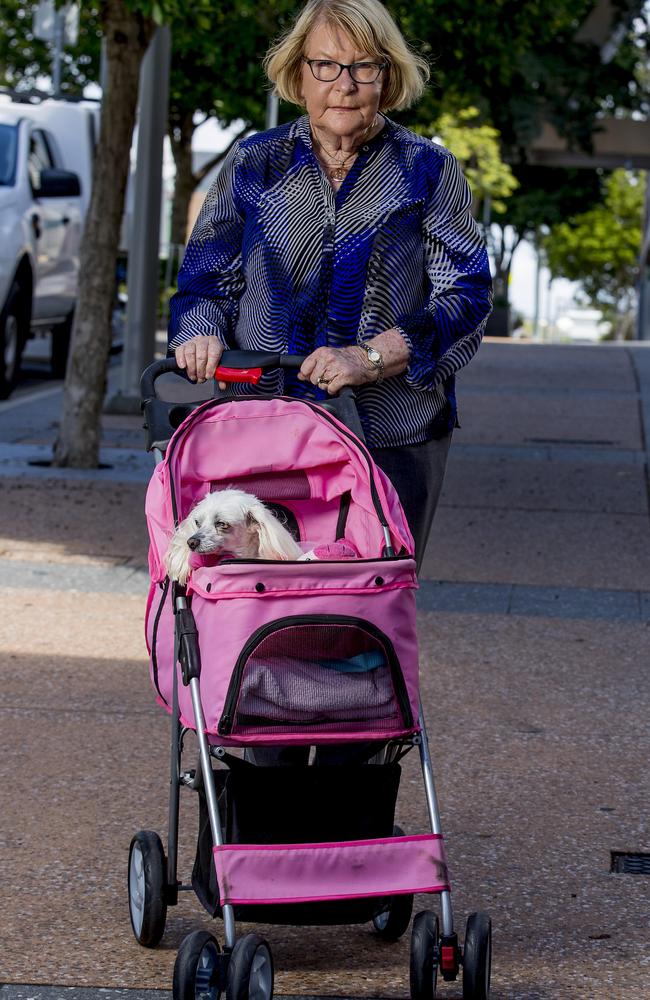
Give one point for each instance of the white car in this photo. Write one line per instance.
(42, 209)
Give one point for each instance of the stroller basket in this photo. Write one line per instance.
(330, 673)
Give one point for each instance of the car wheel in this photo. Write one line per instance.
(13, 334)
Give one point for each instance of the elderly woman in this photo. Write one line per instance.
(347, 238)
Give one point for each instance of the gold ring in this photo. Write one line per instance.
(323, 381)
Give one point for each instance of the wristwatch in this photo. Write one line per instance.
(375, 359)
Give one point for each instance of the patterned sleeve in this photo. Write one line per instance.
(210, 281)
(446, 334)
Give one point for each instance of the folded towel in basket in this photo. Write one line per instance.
(289, 690)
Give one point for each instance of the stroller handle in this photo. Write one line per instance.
(161, 418)
(238, 360)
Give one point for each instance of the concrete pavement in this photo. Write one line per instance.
(534, 611)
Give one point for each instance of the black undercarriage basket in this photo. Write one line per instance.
(299, 804)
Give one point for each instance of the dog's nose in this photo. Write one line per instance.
(194, 541)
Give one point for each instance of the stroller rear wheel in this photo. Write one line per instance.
(394, 920)
(147, 903)
(196, 971)
(424, 956)
(250, 971)
(477, 957)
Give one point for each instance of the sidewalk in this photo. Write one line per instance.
(534, 610)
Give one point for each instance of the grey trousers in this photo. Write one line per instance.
(417, 472)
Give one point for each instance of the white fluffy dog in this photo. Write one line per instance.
(229, 521)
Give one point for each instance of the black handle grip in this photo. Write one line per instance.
(188, 645)
(229, 359)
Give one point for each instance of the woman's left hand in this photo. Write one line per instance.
(331, 368)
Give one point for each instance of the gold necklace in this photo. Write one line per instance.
(340, 167)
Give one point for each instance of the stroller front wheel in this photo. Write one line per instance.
(196, 970)
(424, 956)
(250, 970)
(147, 903)
(477, 957)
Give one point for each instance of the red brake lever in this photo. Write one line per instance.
(252, 375)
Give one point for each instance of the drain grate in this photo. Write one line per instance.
(627, 863)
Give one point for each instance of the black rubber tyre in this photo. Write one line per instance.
(147, 885)
(61, 346)
(393, 922)
(250, 970)
(195, 968)
(477, 957)
(424, 956)
(14, 328)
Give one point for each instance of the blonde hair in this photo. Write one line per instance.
(369, 25)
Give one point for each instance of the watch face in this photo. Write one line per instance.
(374, 356)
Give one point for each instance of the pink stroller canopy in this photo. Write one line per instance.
(279, 449)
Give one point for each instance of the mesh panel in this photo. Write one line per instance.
(290, 485)
(317, 677)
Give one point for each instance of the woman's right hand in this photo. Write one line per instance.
(199, 357)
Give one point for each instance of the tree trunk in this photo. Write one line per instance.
(127, 36)
(181, 130)
(180, 133)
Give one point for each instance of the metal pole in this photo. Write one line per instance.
(538, 268)
(643, 306)
(143, 278)
(57, 53)
(271, 110)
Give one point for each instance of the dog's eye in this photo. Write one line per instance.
(221, 525)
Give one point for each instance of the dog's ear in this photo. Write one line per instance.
(177, 558)
(274, 541)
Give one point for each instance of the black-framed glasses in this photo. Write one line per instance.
(327, 70)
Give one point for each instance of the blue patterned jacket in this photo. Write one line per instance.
(279, 261)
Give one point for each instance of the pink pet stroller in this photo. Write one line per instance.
(317, 659)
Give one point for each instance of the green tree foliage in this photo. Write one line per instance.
(600, 249)
(25, 60)
(216, 72)
(521, 64)
(476, 147)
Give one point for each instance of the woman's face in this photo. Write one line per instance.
(342, 108)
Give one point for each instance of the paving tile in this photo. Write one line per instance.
(576, 602)
(511, 418)
(539, 548)
(518, 482)
(61, 520)
(599, 367)
(439, 595)
(78, 993)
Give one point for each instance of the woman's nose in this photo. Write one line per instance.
(345, 81)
